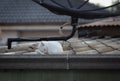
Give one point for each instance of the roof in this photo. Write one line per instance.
(95, 46)
(106, 22)
(75, 45)
(90, 54)
(26, 11)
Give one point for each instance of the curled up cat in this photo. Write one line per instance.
(49, 47)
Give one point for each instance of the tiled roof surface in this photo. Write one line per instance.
(96, 46)
(26, 11)
(79, 46)
(106, 22)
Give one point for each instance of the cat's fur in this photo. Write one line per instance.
(49, 47)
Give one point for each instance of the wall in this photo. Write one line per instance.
(41, 33)
(13, 31)
(7, 34)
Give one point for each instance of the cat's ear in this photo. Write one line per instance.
(42, 44)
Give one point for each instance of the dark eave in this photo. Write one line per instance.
(60, 61)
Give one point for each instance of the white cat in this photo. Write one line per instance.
(49, 47)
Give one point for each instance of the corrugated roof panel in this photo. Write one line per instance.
(106, 22)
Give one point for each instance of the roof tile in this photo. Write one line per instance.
(26, 11)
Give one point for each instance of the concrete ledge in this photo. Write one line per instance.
(60, 61)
